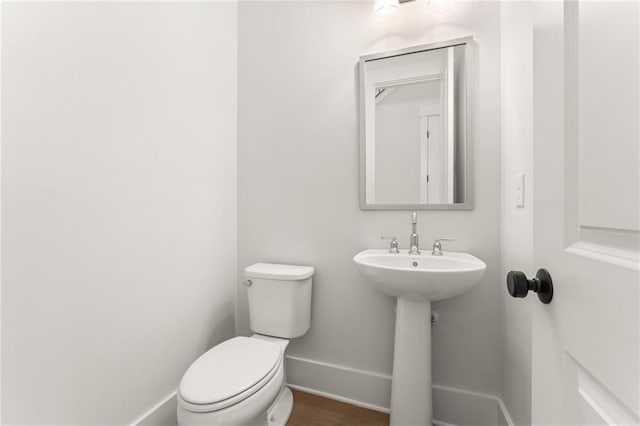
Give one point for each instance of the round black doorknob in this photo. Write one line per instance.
(519, 285)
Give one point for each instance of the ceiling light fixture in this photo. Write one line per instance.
(386, 10)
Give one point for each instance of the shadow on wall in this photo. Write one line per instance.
(220, 327)
(223, 328)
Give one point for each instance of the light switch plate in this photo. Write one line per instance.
(520, 190)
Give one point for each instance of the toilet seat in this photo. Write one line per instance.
(229, 373)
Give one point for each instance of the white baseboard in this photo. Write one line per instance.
(462, 407)
(451, 406)
(161, 414)
(357, 387)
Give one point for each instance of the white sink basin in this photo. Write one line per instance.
(416, 281)
(423, 276)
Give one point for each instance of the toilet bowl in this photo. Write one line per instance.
(241, 381)
(248, 378)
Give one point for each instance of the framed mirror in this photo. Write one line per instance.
(414, 149)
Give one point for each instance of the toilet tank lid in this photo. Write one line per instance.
(276, 271)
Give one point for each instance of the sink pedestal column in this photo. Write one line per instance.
(411, 380)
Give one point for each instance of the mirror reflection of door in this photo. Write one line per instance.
(415, 149)
(434, 156)
(400, 144)
(412, 150)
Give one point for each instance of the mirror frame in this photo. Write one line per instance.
(469, 181)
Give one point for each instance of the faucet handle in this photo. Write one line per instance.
(393, 245)
(437, 240)
(437, 246)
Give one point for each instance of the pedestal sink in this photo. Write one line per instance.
(416, 281)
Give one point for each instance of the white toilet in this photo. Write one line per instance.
(242, 380)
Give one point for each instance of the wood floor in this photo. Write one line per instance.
(312, 410)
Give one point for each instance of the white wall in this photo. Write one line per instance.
(298, 180)
(516, 26)
(118, 203)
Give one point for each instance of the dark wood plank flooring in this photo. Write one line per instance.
(313, 410)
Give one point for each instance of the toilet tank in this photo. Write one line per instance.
(279, 299)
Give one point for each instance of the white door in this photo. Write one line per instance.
(585, 343)
(436, 171)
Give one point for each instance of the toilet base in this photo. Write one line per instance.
(278, 413)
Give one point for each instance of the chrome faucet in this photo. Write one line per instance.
(414, 246)
(437, 246)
